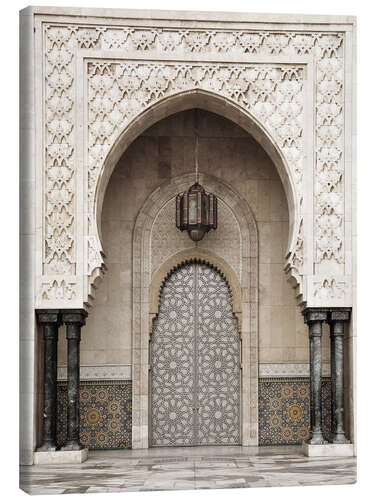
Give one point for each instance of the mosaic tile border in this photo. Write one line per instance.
(284, 410)
(105, 414)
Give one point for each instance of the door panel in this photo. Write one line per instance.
(172, 362)
(218, 366)
(195, 362)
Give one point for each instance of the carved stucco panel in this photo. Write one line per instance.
(166, 240)
(273, 94)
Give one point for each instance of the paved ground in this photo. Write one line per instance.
(188, 468)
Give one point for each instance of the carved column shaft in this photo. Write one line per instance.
(315, 318)
(73, 320)
(50, 321)
(337, 322)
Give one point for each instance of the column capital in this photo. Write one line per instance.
(48, 316)
(339, 314)
(312, 314)
(74, 316)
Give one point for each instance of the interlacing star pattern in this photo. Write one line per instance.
(195, 356)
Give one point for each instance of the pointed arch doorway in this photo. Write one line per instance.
(195, 355)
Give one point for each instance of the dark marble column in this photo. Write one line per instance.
(337, 319)
(314, 318)
(50, 321)
(74, 319)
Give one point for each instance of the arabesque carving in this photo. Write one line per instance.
(59, 233)
(119, 90)
(329, 289)
(166, 241)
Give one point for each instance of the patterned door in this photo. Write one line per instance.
(195, 362)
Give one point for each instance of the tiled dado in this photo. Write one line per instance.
(105, 413)
(284, 410)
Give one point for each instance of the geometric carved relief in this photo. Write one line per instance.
(195, 362)
(329, 195)
(271, 370)
(59, 246)
(329, 289)
(118, 90)
(275, 94)
(225, 241)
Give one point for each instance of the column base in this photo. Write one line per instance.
(340, 439)
(72, 446)
(47, 447)
(60, 457)
(317, 439)
(328, 450)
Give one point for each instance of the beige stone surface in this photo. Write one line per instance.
(328, 450)
(60, 457)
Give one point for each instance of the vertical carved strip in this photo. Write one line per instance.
(329, 182)
(59, 179)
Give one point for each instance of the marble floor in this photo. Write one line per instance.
(187, 468)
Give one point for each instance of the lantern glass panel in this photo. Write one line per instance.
(192, 210)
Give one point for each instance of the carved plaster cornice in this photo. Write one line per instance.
(99, 372)
(289, 370)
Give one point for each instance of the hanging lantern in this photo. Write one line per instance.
(196, 212)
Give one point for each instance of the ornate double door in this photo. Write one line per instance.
(195, 362)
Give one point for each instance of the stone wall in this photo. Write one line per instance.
(165, 151)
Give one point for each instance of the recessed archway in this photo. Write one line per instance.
(211, 102)
(146, 288)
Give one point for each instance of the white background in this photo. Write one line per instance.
(366, 227)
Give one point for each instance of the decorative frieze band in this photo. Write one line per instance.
(99, 372)
(123, 372)
(289, 370)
